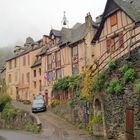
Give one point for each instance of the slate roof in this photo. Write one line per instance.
(75, 34)
(28, 49)
(130, 7)
(55, 32)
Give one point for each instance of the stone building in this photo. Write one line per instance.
(18, 70)
(118, 35)
(67, 52)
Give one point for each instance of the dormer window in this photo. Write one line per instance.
(52, 37)
(113, 19)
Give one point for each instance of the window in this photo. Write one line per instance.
(49, 62)
(58, 59)
(40, 71)
(113, 19)
(58, 74)
(28, 77)
(15, 63)
(75, 69)
(22, 78)
(50, 76)
(74, 51)
(34, 84)
(121, 41)
(24, 60)
(34, 73)
(112, 44)
(40, 83)
(108, 44)
(15, 76)
(10, 78)
(28, 59)
(10, 65)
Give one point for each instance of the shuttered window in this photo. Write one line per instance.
(108, 45)
(113, 19)
(121, 41)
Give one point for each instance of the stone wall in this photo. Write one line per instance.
(115, 105)
(70, 114)
(22, 121)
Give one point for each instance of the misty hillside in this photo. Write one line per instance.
(5, 53)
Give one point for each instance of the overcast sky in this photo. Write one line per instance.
(22, 18)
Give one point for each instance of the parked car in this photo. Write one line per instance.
(38, 105)
(38, 97)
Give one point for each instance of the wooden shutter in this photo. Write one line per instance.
(121, 40)
(108, 44)
(113, 19)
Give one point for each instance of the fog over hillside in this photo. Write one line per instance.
(5, 53)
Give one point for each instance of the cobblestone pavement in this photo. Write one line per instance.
(55, 128)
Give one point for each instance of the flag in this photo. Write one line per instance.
(46, 76)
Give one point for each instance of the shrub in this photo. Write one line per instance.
(79, 125)
(72, 103)
(129, 75)
(9, 112)
(112, 65)
(33, 128)
(137, 86)
(124, 68)
(55, 102)
(114, 87)
(99, 82)
(4, 99)
(95, 120)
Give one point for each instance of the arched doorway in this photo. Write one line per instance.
(98, 117)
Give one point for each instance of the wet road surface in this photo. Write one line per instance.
(55, 128)
(13, 135)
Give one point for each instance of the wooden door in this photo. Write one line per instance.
(46, 98)
(130, 124)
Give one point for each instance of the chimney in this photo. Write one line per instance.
(88, 20)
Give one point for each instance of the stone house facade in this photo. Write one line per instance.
(18, 72)
(118, 31)
(67, 52)
(118, 35)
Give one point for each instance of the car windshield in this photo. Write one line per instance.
(37, 103)
(39, 97)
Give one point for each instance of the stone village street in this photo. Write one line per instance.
(54, 128)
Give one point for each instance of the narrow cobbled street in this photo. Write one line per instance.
(55, 128)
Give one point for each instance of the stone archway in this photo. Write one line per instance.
(98, 117)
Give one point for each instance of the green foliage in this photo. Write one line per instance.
(33, 128)
(3, 87)
(79, 125)
(137, 86)
(66, 83)
(124, 68)
(95, 120)
(9, 112)
(112, 65)
(114, 87)
(4, 99)
(99, 82)
(55, 102)
(72, 103)
(129, 75)
(86, 84)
